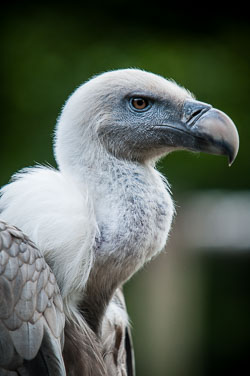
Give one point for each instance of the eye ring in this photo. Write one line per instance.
(139, 103)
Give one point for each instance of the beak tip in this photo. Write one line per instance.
(231, 157)
(233, 152)
(222, 133)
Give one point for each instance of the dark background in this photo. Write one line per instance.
(49, 50)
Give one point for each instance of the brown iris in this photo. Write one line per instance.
(139, 103)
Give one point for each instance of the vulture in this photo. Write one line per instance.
(71, 237)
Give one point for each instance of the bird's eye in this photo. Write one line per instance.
(139, 103)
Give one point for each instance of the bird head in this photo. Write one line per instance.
(136, 115)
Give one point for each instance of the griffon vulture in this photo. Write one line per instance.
(96, 219)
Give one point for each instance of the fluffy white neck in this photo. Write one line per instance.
(133, 212)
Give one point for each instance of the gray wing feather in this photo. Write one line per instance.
(31, 310)
(118, 351)
(130, 357)
(128, 346)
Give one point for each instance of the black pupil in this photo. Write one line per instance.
(139, 103)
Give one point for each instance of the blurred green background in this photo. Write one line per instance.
(189, 308)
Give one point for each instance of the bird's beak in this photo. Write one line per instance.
(202, 128)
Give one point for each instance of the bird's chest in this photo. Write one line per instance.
(134, 220)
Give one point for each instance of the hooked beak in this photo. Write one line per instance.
(202, 128)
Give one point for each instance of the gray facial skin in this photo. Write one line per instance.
(166, 125)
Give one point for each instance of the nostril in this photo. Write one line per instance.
(197, 112)
(193, 110)
(195, 116)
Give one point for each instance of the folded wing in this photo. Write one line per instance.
(31, 310)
